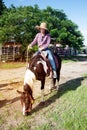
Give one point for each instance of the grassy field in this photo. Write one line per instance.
(73, 58)
(11, 65)
(65, 110)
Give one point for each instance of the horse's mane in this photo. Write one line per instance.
(33, 61)
(39, 70)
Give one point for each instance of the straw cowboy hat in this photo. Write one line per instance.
(42, 25)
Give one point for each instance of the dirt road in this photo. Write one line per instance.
(11, 80)
(68, 71)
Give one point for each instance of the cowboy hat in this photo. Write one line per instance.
(42, 25)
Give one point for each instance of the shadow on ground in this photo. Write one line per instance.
(6, 88)
(64, 88)
(5, 101)
(6, 84)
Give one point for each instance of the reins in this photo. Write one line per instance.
(27, 59)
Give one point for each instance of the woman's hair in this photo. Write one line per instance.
(46, 32)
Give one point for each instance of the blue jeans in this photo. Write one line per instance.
(50, 57)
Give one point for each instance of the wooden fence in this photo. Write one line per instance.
(9, 53)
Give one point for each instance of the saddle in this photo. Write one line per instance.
(55, 57)
(42, 58)
(45, 57)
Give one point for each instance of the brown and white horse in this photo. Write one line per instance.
(39, 67)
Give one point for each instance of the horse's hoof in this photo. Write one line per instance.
(57, 88)
(54, 87)
(42, 103)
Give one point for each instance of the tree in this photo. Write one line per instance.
(2, 7)
(20, 23)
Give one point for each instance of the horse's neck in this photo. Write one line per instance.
(33, 61)
(29, 78)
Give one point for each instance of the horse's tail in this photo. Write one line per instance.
(59, 61)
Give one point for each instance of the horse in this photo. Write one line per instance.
(38, 68)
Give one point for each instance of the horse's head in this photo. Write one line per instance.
(26, 101)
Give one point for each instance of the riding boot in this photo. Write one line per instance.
(54, 74)
(51, 74)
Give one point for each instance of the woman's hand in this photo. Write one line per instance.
(29, 47)
(41, 48)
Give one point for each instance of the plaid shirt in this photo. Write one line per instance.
(42, 41)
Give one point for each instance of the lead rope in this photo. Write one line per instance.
(27, 59)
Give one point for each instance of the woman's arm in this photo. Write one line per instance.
(34, 41)
(45, 43)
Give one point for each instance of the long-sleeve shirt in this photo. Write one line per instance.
(41, 41)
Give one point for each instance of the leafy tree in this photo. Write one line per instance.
(19, 23)
(2, 7)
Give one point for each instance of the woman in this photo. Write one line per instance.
(43, 40)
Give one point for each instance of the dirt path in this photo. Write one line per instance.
(12, 74)
(71, 70)
(11, 80)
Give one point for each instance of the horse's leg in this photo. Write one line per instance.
(58, 78)
(42, 89)
(52, 85)
(57, 85)
(58, 72)
(54, 82)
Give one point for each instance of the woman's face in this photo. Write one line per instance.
(42, 30)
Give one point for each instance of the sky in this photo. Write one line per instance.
(76, 10)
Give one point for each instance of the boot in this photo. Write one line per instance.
(54, 74)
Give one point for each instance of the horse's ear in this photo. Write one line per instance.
(19, 92)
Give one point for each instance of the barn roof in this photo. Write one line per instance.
(8, 44)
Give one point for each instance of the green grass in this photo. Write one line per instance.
(73, 58)
(1, 120)
(67, 61)
(11, 65)
(66, 111)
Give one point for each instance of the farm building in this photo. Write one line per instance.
(84, 50)
(63, 51)
(9, 51)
